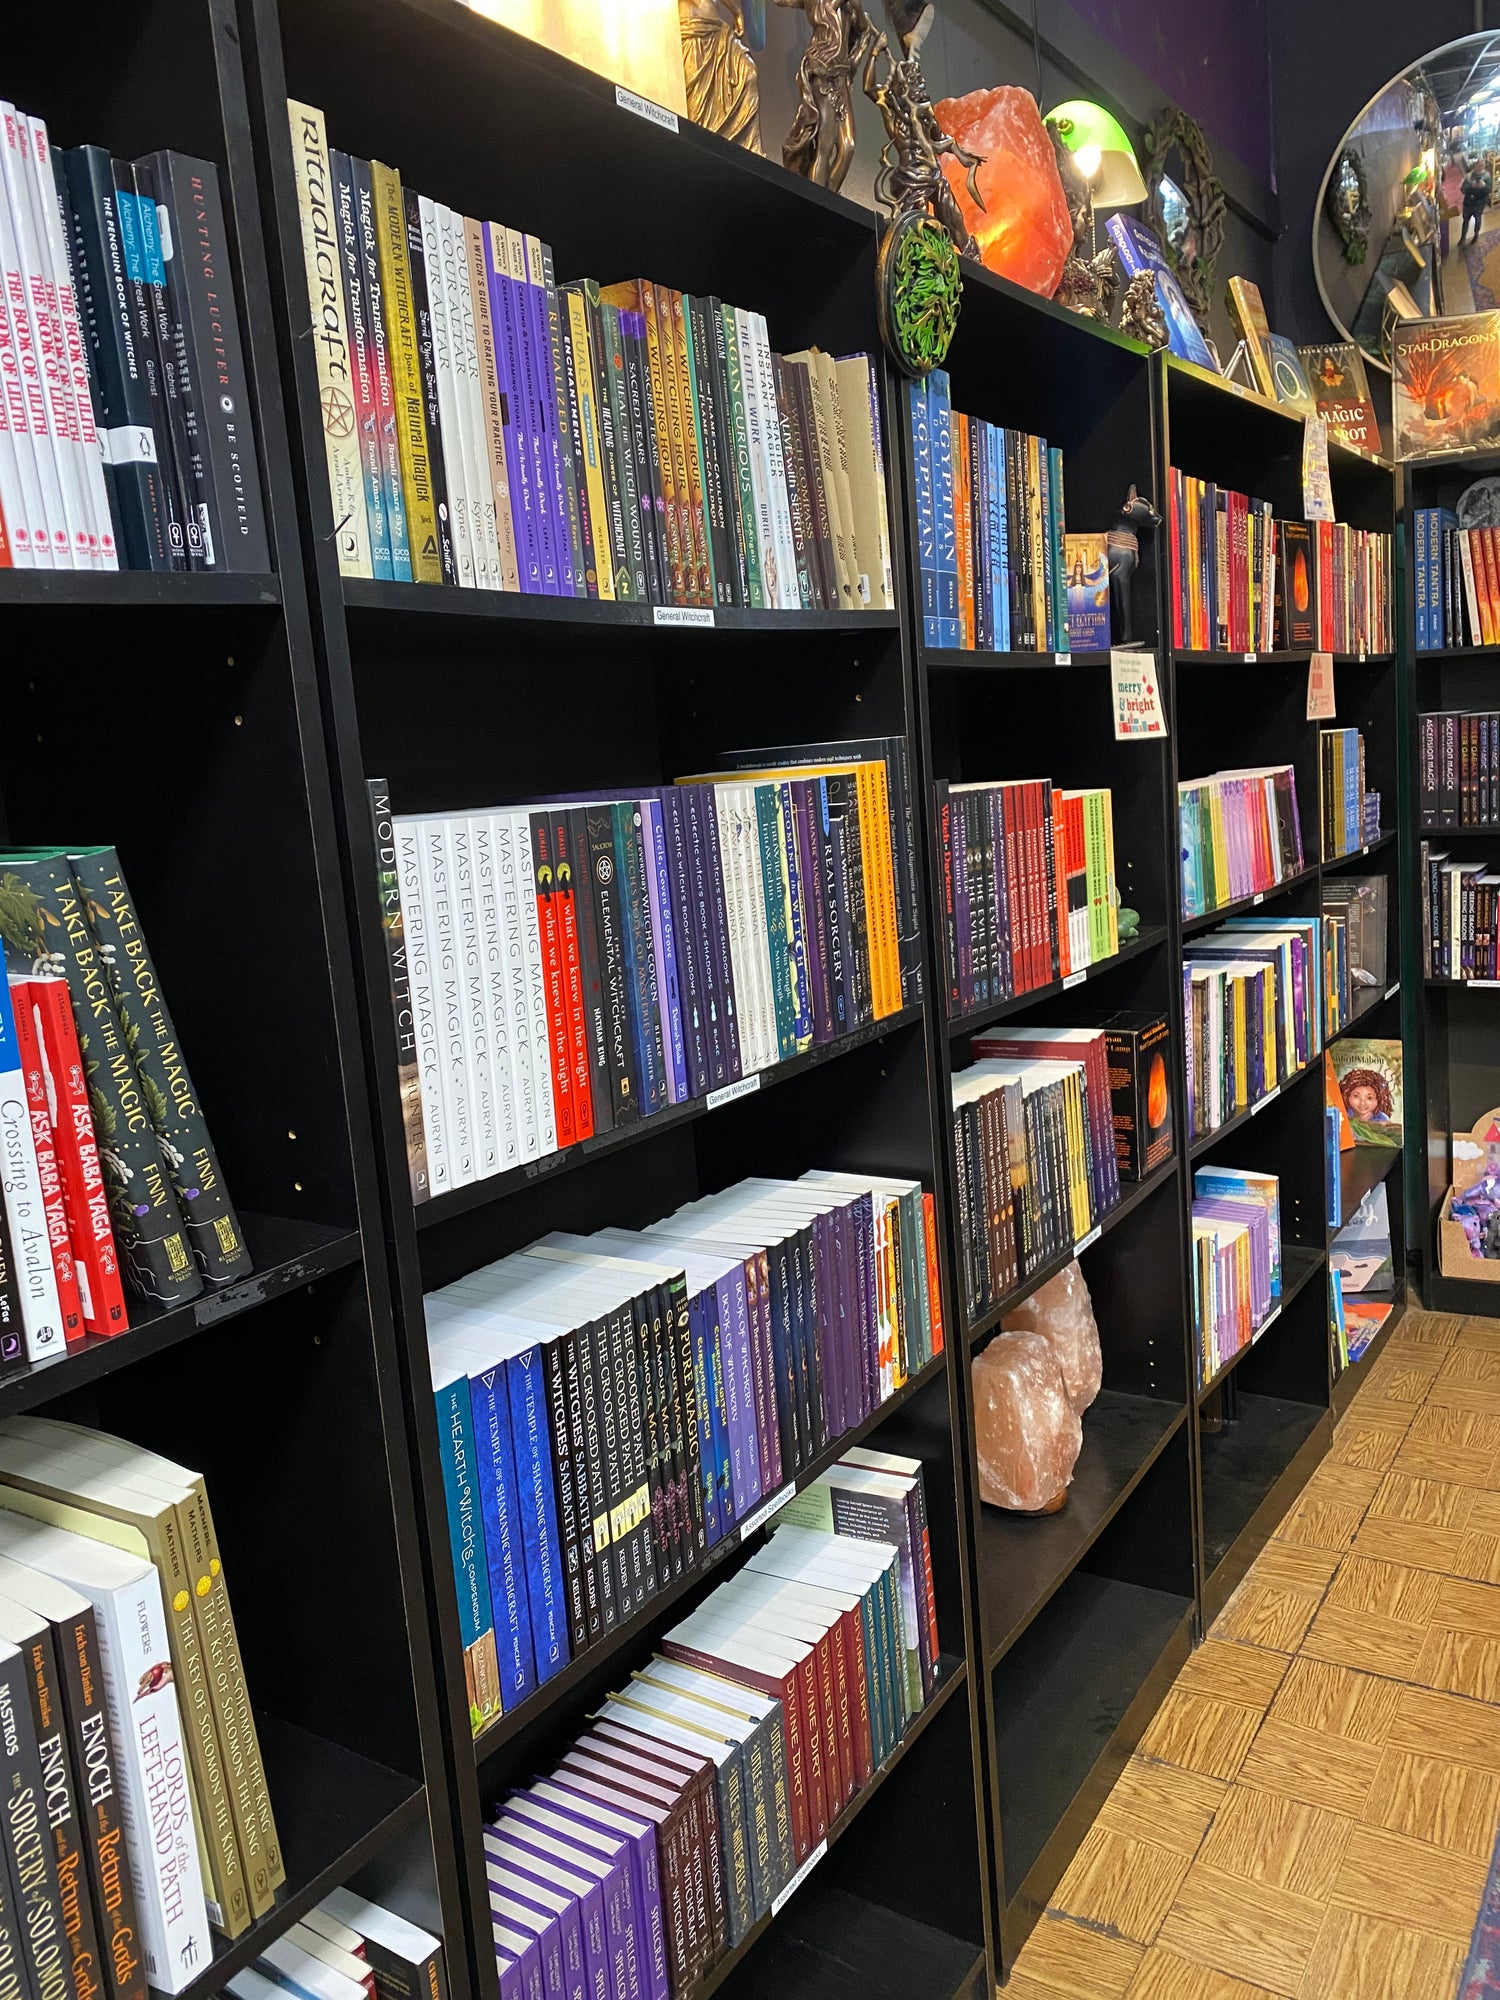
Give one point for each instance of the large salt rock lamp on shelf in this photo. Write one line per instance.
(1024, 230)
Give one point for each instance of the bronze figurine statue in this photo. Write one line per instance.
(723, 86)
(1089, 279)
(1122, 544)
(1141, 315)
(820, 145)
(911, 180)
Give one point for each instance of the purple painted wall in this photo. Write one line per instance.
(1211, 57)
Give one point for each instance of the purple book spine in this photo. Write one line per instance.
(520, 1955)
(544, 1929)
(692, 962)
(963, 928)
(664, 945)
(810, 871)
(1002, 895)
(843, 1293)
(715, 1034)
(544, 440)
(614, 1888)
(864, 1213)
(646, 1942)
(826, 1329)
(739, 1414)
(507, 1842)
(504, 310)
(533, 1894)
(736, 1310)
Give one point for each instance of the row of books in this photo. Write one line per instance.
(1455, 581)
(347, 1948)
(989, 504)
(1035, 1151)
(1350, 813)
(1460, 917)
(1244, 582)
(612, 1407)
(670, 1826)
(617, 956)
(1028, 886)
(1356, 947)
(490, 428)
(1241, 835)
(120, 1673)
(125, 430)
(111, 1179)
(1458, 769)
(1236, 1261)
(1252, 1013)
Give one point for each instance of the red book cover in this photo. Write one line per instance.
(5, 557)
(778, 1672)
(1040, 882)
(574, 1006)
(780, 1624)
(1239, 563)
(1025, 902)
(1326, 627)
(963, 530)
(558, 1035)
(29, 1048)
(1174, 542)
(1010, 821)
(1486, 539)
(934, 1294)
(1060, 878)
(95, 1262)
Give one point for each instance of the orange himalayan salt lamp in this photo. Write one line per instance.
(1024, 230)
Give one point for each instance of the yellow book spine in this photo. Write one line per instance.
(406, 376)
(869, 848)
(584, 378)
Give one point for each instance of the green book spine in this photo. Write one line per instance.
(749, 540)
(773, 882)
(695, 446)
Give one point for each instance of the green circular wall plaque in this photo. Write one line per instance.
(919, 291)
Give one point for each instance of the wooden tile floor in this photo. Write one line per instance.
(1311, 1813)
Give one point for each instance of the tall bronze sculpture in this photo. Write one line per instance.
(820, 145)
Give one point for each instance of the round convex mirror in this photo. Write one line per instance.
(1408, 219)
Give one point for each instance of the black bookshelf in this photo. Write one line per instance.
(1265, 1417)
(179, 718)
(521, 695)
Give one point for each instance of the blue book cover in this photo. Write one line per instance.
(531, 1440)
(1420, 519)
(466, 1544)
(921, 447)
(802, 1020)
(699, 1324)
(940, 416)
(718, 1418)
(1443, 518)
(999, 532)
(499, 1499)
(1138, 250)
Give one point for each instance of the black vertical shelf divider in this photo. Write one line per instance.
(1452, 1075)
(178, 717)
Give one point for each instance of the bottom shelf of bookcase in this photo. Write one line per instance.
(335, 1810)
(1461, 1295)
(1072, 1699)
(1253, 1469)
(1346, 1385)
(778, 1923)
(832, 1945)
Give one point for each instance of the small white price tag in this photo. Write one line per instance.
(746, 1087)
(1062, 659)
(1075, 979)
(642, 107)
(1250, 659)
(1137, 695)
(1479, 982)
(763, 1513)
(1084, 1241)
(1393, 989)
(1258, 897)
(697, 617)
(1320, 701)
(1269, 1320)
(1269, 1098)
(780, 1901)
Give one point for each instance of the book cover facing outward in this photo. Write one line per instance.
(1445, 385)
(1249, 314)
(1088, 593)
(1138, 251)
(1341, 393)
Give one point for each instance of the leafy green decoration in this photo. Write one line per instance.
(23, 920)
(921, 293)
(156, 1102)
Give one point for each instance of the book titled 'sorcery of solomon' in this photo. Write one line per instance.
(1445, 393)
(1088, 592)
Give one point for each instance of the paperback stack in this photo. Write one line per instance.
(346, 1948)
(668, 1829)
(1243, 582)
(990, 533)
(500, 431)
(1458, 768)
(1455, 581)
(109, 1172)
(612, 1407)
(613, 957)
(132, 446)
(1028, 886)
(1236, 1261)
(1460, 917)
(1034, 1143)
(1350, 814)
(116, 1624)
(1241, 835)
(1251, 1011)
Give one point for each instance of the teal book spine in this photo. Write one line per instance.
(466, 1546)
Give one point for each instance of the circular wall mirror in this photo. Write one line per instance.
(1408, 218)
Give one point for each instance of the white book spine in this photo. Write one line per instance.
(442, 368)
(49, 529)
(770, 550)
(432, 854)
(781, 506)
(156, 1807)
(476, 1015)
(13, 502)
(36, 1280)
(497, 1012)
(61, 408)
(512, 929)
(759, 930)
(70, 329)
(466, 360)
(416, 929)
(1471, 596)
(536, 987)
(739, 963)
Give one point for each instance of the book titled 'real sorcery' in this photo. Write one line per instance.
(1138, 251)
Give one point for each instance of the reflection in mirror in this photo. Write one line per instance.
(1408, 222)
